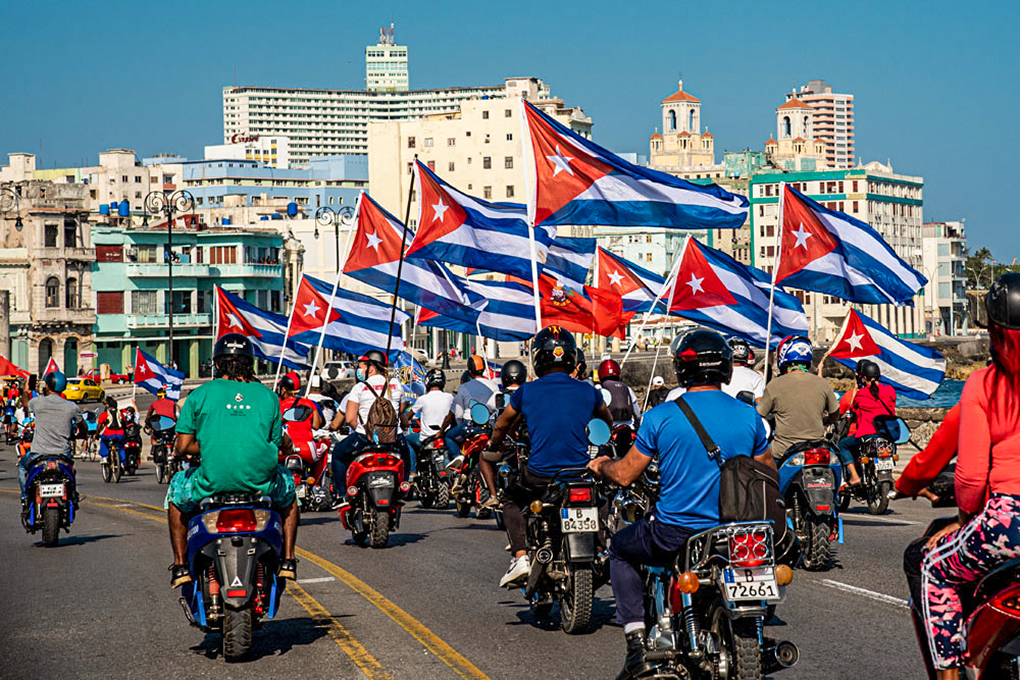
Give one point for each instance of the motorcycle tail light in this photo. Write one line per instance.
(237, 593)
(405, 486)
(352, 491)
(51, 465)
(1009, 602)
(686, 583)
(749, 548)
(865, 460)
(387, 460)
(580, 494)
(816, 457)
(235, 520)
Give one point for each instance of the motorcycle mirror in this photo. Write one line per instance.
(746, 396)
(598, 432)
(160, 423)
(296, 414)
(480, 414)
(896, 429)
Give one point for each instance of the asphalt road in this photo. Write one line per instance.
(99, 605)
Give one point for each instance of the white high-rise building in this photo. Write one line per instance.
(831, 121)
(386, 64)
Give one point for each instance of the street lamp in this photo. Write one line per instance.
(169, 204)
(326, 216)
(10, 202)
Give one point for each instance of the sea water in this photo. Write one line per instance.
(947, 395)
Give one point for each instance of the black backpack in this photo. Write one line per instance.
(620, 404)
(748, 490)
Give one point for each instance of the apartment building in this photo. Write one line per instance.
(832, 121)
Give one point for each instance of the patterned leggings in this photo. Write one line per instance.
(963, 557)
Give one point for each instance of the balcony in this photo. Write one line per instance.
(81, 254)
(163, 320)
(86, 316)
(155, 269)
(261, 270)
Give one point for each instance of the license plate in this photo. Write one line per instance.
(51, 490)
(380, 482)
(750, 584)
(883, 464)
(301, 491)
(578, 520)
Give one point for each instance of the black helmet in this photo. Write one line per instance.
(233, 345)
(553, 346)
(374, 356)
(702, 357)
(435, 378)
(870, 370)
(742, 353)
(1002, 304)
(514, 373)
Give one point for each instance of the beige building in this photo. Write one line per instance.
(46, 265)
(476, 147)
(681, 146)
(796, 149)
(832, 122)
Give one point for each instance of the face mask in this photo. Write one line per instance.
(360, 375)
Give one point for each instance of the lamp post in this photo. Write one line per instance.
(325, 216)
(169, 204)
(10, 202)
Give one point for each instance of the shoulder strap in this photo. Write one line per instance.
(706, 440)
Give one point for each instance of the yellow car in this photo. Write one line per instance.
(83, 389)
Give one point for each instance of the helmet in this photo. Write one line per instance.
(233, 345)
(514, 373)
(161, 392)
(1002, 304)
(55, 381)
(870, 370)
(435, 378)
(702, 357)
(553, 346)
(794, 349)
(609, 369)
(291, 382)
(475, 365)
(374, 356)
(742, 353)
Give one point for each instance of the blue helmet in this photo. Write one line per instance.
(794, 349)
(55, 381)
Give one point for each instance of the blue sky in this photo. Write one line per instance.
(934, 81)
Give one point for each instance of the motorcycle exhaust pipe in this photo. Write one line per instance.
(783, 654)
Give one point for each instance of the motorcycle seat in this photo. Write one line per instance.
(994, 582)
(241, 498)
(805, 446)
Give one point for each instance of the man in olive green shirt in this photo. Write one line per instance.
(234, 424)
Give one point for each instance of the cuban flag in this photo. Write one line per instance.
(914, 371)
(508, 315)
(354, 324)
(493, 370)
(51, 367)
(829, 252)
(637, 286)
(410, 372)
(569, 260)
(460, 229)
(154, 376)
(375, 258)
(265, 329)
(714, 290)
(580, 183)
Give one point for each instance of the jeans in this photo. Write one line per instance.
(115, 441)
(26, 463)
(455, 436)
(530, 487)
(413, 440)
(647, 541)
(344, 452)
(847, 446)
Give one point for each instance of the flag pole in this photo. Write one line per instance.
(667, 285)
(775, 270)
(658, 347)
(400, 262)
(286, 334)
(530, 190)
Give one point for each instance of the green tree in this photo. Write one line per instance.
(982, 268)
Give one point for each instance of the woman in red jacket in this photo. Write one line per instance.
(987, 532)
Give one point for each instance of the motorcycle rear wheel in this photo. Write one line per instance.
(880, 505)
(160, 473)
(463, 508)
(443, 496)
(745, 651)
(819, 536)
(380, 529)
(51, 526)
(237, 627)
(576, 606)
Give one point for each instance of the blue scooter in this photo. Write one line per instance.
(51, 498)
(809, 476)
(234, 547)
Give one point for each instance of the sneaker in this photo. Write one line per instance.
(340, 503)
(491, 503)
(288, 569)
(520, 567)
(180, 575)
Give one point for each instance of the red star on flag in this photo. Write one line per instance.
(804, 240)
(854, 341)
(309, 311)
(697, 285)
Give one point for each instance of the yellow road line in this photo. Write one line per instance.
(341, 636)
(447, 654)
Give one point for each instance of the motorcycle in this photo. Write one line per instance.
(51, 496)
(622, 439)
(164, 433)
(376, 488)
(234, 547)
(469, 489)
(309, 485)
(705, 616)
(808, 478)
(132, 447)
(432, 481)
(875, 460)
(562, 531)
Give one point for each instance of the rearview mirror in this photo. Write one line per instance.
(479, 414)
(161, 423)
(893, 428)
(598, 432)
(746, 396)
(296, 414)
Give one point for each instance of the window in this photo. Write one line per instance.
(485, 115)
(52, 292)
(71, 294)
(509, 136)
(855, 186)
(432, 165)
(771, 251)
(943, 249)
(50, 236)
(944, 269)
(671, 122)
(648, 257)
(787, 126)
(144, 302)
(487, 163)
(507, 113)
(138, 179)
(182, 301)
(451, 141)
(508, 162)
(410, 143)
(124, 178)
(109, 253)
(509, 190)
(690, 123)
(70, 234)
(486, 192)
(944, 290)
(222, 255)
(449, 167)
(648, 238)
(855, 206)
(428, 141)
(840, 187)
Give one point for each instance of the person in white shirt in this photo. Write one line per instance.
(477, 390)
(431, 409)
(745, 378)
(372, 384)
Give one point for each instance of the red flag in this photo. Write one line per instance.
(804, 238)
(697, 285)
(142, 370)
(309, 313)
(8, 368)
(230, 320)
(51, 366)
(598, 310)
(854, 341)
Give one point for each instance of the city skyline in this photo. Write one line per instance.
(938, 114)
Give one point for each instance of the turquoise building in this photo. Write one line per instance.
(131, 287)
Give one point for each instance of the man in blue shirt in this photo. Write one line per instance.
(688, 479)
(556, 409)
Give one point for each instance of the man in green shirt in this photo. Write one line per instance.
(234, 423)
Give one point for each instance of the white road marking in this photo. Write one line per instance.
(891, 520)
(871, 594)
(324, 579)
(124, 505)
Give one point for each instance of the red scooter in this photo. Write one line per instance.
(622, 439)
(376, 488)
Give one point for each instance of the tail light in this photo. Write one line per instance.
(816, 457)
(51, 465)
(749, 548)
(237, 593)
(1009, 602)
(686, 583)
(579, 494)
(235, 520)
(387, 460)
